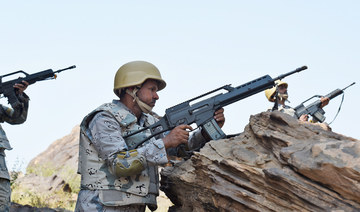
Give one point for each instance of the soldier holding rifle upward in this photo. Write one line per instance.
(16, 114)
(279, 95)
(13, 90)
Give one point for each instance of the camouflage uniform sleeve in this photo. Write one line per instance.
(111, 147)
(17, 114)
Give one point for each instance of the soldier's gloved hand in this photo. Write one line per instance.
(179, 135)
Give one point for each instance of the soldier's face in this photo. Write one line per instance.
(282, 89)
(148, 92)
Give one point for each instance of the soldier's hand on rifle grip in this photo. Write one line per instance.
(179, 135)
(21, 87)
(324, 101)
(219, 117)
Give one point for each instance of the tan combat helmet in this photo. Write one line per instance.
(270, 93)
(136, 73)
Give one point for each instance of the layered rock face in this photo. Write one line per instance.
(277, 164)
(54, 167)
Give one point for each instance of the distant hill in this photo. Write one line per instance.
(51, 179)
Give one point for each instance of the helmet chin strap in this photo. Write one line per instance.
(143, 106)
(283, 96)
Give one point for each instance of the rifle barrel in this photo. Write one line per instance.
(348, 86)
(64, 69)
(291, 72)
(337, 92)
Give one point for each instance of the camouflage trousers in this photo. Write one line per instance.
(5, 193)
(89, 201)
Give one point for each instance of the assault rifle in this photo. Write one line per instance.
(202, 112)
(314, 109)
(7, 89)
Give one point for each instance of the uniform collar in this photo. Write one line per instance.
(143, 116)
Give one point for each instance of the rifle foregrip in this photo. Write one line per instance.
(334, 94)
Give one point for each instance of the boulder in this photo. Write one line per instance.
(277, 164)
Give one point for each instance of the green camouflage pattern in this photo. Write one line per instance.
(16, 115)
(5, 193)
(4, 173)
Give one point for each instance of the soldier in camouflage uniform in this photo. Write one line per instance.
(116, 176)
(15, 115)
(282, 97)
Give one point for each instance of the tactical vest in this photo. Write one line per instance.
(95, 174)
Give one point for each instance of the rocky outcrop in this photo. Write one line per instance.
(61, 153)
(27, 208)
(51, 180)
(55, 167)
(277, 164)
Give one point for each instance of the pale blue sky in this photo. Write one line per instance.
(197, 45)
